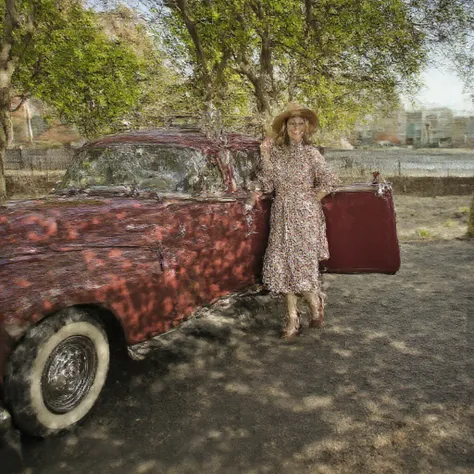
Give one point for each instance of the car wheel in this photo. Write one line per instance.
(57, 371)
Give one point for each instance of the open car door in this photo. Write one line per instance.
(361, 230)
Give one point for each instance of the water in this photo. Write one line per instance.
(402, 162)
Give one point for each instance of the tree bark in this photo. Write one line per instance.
(201, 59)
(470, 224)
(7, 66)
(29, 128)
(4, 132)
(263, 103)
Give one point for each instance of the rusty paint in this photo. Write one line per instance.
(151, 259)
(142, 267)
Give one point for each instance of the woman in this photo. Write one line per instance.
(298, 175)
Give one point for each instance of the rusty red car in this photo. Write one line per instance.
(144, 228)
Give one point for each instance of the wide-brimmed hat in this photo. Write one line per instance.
(295, 110)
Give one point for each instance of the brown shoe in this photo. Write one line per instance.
(318, 322)
(291, 330)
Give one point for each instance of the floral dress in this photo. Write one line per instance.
(297, 240)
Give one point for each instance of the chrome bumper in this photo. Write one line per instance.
(5, 421)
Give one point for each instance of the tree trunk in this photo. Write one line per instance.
(29, 128)
(4, 131)
(11, 22)
(470, 224)
(3, 184)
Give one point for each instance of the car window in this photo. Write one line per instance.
(245, 164)
(161, 168)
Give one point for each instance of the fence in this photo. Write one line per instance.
(31, 159)
(357, 164)
(354, 164)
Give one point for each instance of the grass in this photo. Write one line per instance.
(424, 233)
(449, 223)
(22, 184)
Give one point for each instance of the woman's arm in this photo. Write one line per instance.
(264, 175)
(265, 168)
(325, 180)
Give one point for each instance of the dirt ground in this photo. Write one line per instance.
(431, 218)
(386, 387)
(23, 184)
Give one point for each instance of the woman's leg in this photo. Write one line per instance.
(292, 322)
(316, 303)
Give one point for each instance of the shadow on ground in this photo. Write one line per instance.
(386, 387)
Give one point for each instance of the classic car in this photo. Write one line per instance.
(144, 228)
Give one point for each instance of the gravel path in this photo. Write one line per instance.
(386, 387)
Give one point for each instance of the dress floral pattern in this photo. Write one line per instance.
(297, 240)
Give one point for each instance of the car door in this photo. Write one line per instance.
(360, 221)
(185, 218)
(361, 230)
(208, 248)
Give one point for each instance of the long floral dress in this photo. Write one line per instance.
(297, 240)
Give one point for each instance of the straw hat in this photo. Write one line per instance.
(295, 110)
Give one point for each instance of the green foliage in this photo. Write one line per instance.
(159, 84)
(424, 233)
(70, 63)
(449, 223)
(202, 59)
(342, 57)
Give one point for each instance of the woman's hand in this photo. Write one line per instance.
(266, 144)
(265, 149)
(320, 195)
(251, 201)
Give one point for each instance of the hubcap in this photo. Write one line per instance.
(69, 373)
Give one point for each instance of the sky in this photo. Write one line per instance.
(444, 89)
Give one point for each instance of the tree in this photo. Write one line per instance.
(160, 90)
(470, 224)
(345, 54)
(448, 29)
(342, 56)
(55, 51)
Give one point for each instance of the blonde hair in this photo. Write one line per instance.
(283, 138)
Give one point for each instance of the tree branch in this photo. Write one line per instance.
(220, 67)
(182, 7)
(30, 28)
(23, 99)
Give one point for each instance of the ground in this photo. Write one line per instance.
(385, 387)
(428, 218)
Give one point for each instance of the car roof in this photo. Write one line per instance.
(186, 137)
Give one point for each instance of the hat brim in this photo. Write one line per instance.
(308, 114)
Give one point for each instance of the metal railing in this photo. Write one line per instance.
(361, 163)
(31, 159)
(355, 164)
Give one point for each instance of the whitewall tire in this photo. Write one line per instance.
(57, 372)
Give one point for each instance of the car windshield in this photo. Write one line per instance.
(162, 168)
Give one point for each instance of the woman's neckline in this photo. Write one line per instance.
(296, 146)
